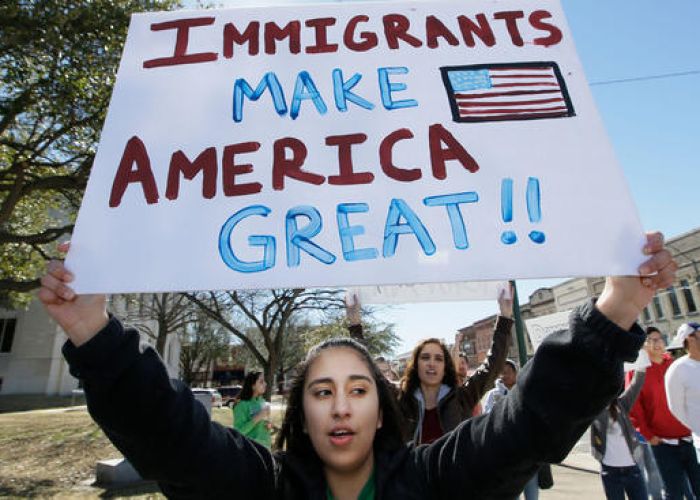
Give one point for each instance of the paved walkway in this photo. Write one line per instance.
(577, 477)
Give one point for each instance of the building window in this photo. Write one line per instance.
(646, 314)
(673, 297)
(688, 296)
(658, 310)
(7, 333)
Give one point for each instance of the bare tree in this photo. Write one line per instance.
(203, 342)
(159, 315)
(262, 320)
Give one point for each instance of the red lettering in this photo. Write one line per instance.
(386, 149)
(229, 170)
(180, 56)
(511, 18)
(274, 33)
(369, 39)
(134, 153)
(345, 167)
(251, 36)
(482, 30)
(438, 136)
(283, 167)
(179, 163)
(434, 29)
(555, 34)
(320, 27)
(395, 28)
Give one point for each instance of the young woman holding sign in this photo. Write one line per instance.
(340, 433)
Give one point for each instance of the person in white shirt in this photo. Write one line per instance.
(615, 445)
(682, 381)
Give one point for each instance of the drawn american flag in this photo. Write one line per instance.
(498, 92)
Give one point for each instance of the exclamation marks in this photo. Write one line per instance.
(534, 209)
(507, 237)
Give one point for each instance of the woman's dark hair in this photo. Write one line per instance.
(248, 383)
(410, 382)
(292, 436)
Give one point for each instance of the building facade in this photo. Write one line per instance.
(30, 352)
(678, 304)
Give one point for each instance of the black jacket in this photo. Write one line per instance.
(168, 437)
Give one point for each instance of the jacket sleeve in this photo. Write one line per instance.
(675, 396)
(574, 374)
(486, 374)
(490, 400)
(638, 414)
(630, 395)
(158, 425)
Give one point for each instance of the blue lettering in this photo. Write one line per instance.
(393, 228)
(241, 88)
(386, 88)
(267, 242)
(342, 91)
(452, 201)
(300, 239)
(305, 88)
(347, 232)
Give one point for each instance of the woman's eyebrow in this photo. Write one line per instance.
(329, 380)
(322, 380)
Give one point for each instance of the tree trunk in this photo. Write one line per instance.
(269, 369)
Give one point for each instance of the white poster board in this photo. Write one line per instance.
(538, 328)
(428, 292)
(351, 144)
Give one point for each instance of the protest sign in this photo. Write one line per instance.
(351, 144)
(538, 328)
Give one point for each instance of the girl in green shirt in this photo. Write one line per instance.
(251, 415)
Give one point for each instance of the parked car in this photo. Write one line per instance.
(230, 394)
(216, 399)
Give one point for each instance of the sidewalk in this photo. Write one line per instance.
(577, 476)
(573, 483)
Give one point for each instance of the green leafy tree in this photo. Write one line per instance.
(58, 60)
(379, 338)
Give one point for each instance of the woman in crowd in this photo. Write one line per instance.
(614, 442)
(340, 436)
(251, 415)
(431, 400)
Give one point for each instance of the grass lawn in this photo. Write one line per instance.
(52, 453)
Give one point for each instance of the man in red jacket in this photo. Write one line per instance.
(670, 440)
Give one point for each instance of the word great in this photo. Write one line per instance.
(288, 160)
(400, 219)
(395, 28)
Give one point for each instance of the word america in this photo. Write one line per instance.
(396, 30)
(288, 161)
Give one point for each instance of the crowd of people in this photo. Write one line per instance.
(351, 432)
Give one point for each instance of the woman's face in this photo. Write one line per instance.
(341, 409)
(259, 386)
(431, 365)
